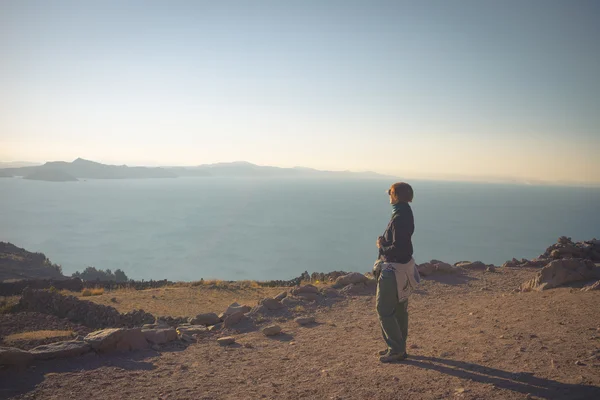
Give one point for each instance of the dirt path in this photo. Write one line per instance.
(470, 337)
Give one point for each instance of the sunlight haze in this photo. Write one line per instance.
(433, 89)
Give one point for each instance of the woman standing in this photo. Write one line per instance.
(396, 273)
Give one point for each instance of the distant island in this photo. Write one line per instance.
(51, 175)
(62, 171)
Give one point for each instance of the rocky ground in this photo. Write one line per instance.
(472, 336)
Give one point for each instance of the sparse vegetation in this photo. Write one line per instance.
(37, 335)
(92, 292)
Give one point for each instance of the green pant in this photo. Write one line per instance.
(393, 314)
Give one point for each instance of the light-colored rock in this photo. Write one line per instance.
(160, 336)
(191, 329)
(71, 348)
(117, 339)
(271, 304)
(353, 277)
(305, 320)
(271, 330)
(234, 319)
(233, 308)
(205, 319)
(305, 289)
(593, 286)
(471, 265)
(281, 296)
(561, 272)
(225, 341)
(14, 356)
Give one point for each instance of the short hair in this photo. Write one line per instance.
(402, 191)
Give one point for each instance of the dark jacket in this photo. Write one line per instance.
(397, 244)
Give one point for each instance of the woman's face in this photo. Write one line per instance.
(392, 196)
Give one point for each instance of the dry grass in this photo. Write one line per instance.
(188, 300)
(7, 303)
(37, 335)
(92, 292)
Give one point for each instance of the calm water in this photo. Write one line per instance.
(187, 229)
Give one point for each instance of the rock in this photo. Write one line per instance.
(14, 356)
(233, 308)
(281, 296)
(330, 292)
(351, 278)
(160, 336)
(561, 272)
(271, 330)
(305, 320)
(308, 296)
(305, 289)
(225, 341)
(205, 319)
(445, 268)
(289, 302)
(72, 348)
(471, 265)
(233, 319)
(116, 339)
(270, 304)
(426, 269)
(191, 329)
(491, 268)
(594, 286)
(215, 327)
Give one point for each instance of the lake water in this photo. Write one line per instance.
(187, 229)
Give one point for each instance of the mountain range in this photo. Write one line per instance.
(85, 169)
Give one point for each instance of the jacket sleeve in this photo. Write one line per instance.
(401, 230)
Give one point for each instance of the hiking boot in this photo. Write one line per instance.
(392, 358)
(383, 352)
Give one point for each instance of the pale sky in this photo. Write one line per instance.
(418, 89)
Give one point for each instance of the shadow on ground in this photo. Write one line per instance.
(450, 279)
(525, 383)
(15, 382)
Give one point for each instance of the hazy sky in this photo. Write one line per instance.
(413, 88)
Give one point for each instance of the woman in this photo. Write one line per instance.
(396, 273)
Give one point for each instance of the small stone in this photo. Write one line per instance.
(579, 362)
(248, 345)
(271, 330)
(305, 320)
(271, 304)
(413, 346)
(227, 340)
(215, 327)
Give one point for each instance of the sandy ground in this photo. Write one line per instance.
(470, 337)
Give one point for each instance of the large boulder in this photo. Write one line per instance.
(561, 272)
(160, 336)
(308, 296)
(117, 339)
(351, 278)
(593, 286)
(71, 348)
(426, 269)
(191, 329)
(14, 356)
(206, 319)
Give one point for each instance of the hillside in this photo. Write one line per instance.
(18, 263)
(85, 169)
(50, 175)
